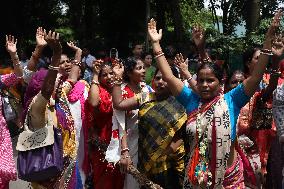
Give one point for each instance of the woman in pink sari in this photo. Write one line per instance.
(7, 164)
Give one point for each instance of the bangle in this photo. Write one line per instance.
(125, 157)
(275, 73)
(266, 53)
(158, 52)
(55, 68)
(159, 55)
(189, 79)
(266, 50)
(95, 82)
(76, 63)
(124, 150)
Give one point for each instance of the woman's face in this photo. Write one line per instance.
(148, 60)
(106, 76)
(207, 84)
(160, 85)
(253, 61)
(235, 80)
(138, 73)
(65, 65)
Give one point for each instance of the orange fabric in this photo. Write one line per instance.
(193, 164)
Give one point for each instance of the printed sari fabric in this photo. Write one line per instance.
(214, 116)
(158, 123)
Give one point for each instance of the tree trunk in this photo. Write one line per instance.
(252, 14)
(177, 20)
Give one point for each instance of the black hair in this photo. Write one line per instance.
(134, 44)
(217, 70)
(170, 52)
(174, 70)
(129, 65)
(247, 57)
(146, 54)
(105, 63)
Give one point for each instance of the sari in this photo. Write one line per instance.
(128, 121)
(158, 123)
(60, 113)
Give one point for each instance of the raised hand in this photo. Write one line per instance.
(11, 44)
(118, 69)
(97, 65)
(278, 46)
(274, 25)
(183, 66)
(40, 33)
(52, 39)
(154, 35)
(198, 36)
(72, 45)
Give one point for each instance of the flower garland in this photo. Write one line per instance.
(202, 172)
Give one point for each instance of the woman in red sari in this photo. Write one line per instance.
(105, 175)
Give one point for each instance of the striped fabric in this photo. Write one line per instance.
(158, 122)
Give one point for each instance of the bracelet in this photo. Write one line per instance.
(158, 52)
(275, 73)
(95, 82)
(76, 63)
(124, 150)
(266, 53)
(53, 68)
(189, 79)
(266, 50)
(125, 157)
(159, 55)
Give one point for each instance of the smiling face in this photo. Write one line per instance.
(138, 73)
(208, 84)
(106, 76)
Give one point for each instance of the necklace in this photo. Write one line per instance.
(202, 172)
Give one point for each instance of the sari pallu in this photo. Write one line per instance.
(214, 116)
(158, 123)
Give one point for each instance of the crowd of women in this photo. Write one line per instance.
(178, 131)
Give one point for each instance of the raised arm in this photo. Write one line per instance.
(199, 40)
(251, 83)
(40, 44)
(118, 102)
(39, 106)
(185, 74)
(78, 51)
(94, 94)
(277, 50)
(11, 46)
(175, 84)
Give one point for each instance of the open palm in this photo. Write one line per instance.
(154, 35)
(11, 44)
(40, 33)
